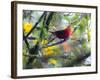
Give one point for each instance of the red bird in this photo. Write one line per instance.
(63, 34)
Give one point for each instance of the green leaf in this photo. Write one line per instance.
(67, 18)
(76, 16)
(83, 24)
(37, 64)
(87, 16)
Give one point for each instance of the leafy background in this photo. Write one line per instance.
(75, 51)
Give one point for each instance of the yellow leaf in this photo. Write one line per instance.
(49, 51)
(27, 27)
(35, 41)
(52, 61)
(44, 42)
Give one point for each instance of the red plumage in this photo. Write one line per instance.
(63, 34)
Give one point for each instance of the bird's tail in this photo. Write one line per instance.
(51, 32)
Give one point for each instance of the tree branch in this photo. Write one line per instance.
(35, 24)
(56, 43)
(81, 16)
(27, 44)
(49, 19)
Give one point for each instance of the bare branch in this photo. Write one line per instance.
(35, 24)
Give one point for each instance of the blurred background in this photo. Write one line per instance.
(43, 46)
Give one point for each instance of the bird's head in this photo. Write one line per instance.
(69, 29)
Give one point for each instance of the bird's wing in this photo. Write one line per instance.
(61, 32)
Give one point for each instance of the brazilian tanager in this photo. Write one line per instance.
(63, 34)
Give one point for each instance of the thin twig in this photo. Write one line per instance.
(29, 55)
(56, 56)
(51, 40)
(31, 38)
(35, 24)
(57, 43)
(81, 16)
(27, 44)
(49, 19)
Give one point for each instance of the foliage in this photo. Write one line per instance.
(38, 51)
